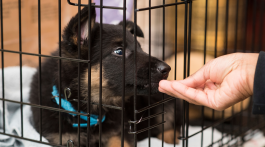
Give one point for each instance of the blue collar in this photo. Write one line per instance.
(66, 105)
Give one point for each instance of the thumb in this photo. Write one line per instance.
(197, 79)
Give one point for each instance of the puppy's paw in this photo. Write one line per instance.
(169, 136)
(115, 141)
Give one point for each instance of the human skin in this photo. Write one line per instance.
(219, 84)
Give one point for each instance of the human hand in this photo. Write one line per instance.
(219, 84)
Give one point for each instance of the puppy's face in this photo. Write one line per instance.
(113, 47)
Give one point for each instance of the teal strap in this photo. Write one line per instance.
(66, 105)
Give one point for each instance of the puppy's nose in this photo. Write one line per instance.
(164, 69)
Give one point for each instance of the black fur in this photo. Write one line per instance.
(130, 27)
(112, 83)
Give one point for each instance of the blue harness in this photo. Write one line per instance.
(66, 105)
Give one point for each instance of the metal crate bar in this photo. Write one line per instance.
(135, 72)
(3, 65)
(41, 55)
(93, 4)
(160, 6)
(39, 73)
(104, 105)
(163, 58)
(123, 73)
(43, 107)
(79, 69)
(149, 71)
(175, 72)
(89, 75)
(204, 61)
(100, 74)
(147, 118)
(215, 56)
(254, 14)
(20, 66)
(188, 68)
(262, 6)
(184, 71)
(155, 104)
(235, 50)
(143, 130)
(59, 70)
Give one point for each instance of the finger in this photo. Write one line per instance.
(167, 92)
(165, 87)
(218, 99)
(185, 98)
(198, 78)
(185, 92)
(178, 95)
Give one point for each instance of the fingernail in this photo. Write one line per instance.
(161, 83)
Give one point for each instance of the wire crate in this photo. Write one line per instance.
(213, 28)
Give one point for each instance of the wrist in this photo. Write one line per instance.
(251, 63)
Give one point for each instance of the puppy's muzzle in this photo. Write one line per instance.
(163, 69)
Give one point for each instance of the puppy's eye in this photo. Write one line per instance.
(118, 51)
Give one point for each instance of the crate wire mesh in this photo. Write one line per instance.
(237, 132)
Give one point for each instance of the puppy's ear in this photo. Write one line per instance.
(130, 28)
(71, 30)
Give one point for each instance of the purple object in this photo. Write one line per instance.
(113, 16)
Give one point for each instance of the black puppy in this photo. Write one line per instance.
(112, 45)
